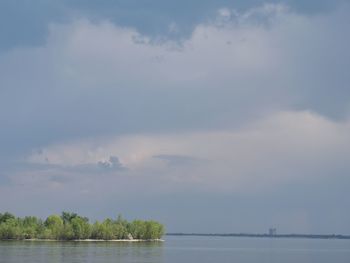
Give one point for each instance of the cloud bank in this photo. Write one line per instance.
(250, 103)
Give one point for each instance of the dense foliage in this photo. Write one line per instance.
(70, 226)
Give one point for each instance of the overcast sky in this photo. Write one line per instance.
(209, 116)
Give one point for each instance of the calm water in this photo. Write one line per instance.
(180, 250)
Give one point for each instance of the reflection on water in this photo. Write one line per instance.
(180, 249)
(57, 252)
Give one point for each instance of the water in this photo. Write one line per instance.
(180, 250)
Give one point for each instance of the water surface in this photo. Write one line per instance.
(180, 250)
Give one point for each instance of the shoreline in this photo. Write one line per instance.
(85, 240)
(305, 236)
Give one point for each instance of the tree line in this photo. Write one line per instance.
(71, 226)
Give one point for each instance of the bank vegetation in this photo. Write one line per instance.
(71, 226)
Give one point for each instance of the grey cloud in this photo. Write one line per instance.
(72, 88)
(62, 96)
(61, 172)
(89, 79)
(25, 23)
(177, 160)
(113, 164)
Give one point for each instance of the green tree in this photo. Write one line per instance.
(10, 229)
(54, 224)
(67, 217)
(103, 230)
(67, 232)
(30, 226)
(71, 226)
(81, 228)
(153, 230)
(137, 229)
(6, 216)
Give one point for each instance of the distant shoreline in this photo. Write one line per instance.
(309, 236)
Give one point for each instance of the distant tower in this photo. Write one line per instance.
(272, 231)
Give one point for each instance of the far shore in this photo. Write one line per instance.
(309, 236)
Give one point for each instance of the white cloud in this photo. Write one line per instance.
(103, 78)
(240, 61)
(286, 147)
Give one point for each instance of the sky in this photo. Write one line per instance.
(209, 116)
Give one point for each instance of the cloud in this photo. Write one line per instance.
(251, 103)
(18, 28)
(287, 168)
(112, 164)
(97, 78)
(176, 160)
(286, 147)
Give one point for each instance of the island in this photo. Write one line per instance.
(73, 227)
